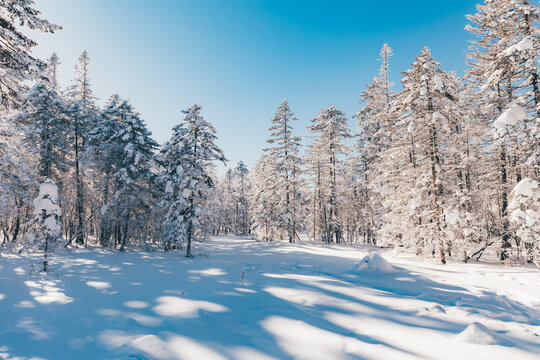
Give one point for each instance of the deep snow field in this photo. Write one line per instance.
(251, 300)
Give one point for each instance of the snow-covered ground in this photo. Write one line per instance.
(250, 300)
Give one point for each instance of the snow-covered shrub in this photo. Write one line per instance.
(525, 219)
(45, 230)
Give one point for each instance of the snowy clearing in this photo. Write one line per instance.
(252, 300)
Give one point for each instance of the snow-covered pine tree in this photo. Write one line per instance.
(325, 159)
(129, 151)
(18, 64)
(426, 116)
(37, 131)
(313, 171)
(187, 159)
(503, 61)
(105, 157)
(84, 117)
(469, 215)
(373, 120)
(45, 230)
(284, 152)
(51, 72)
(45, 125)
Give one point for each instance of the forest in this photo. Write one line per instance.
(445, 165)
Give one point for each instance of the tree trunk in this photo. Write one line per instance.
(504, 207)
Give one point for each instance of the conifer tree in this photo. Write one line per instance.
(284, 152)
(18, 64)
(503, 61)
(44, 121)
(421, 137)
(187, 158)
(373, 121)
(331, 130)
(84, 115)
(241, 191)
(129, 151)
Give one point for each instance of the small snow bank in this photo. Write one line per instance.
(374, 263)
(477, 333)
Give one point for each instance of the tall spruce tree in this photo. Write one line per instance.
(284, 152)
(84, 114)
(129, 151)
(426, 110)
(187, 159)
(373, 121)
(326, 151)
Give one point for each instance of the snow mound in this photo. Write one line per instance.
(477, 333)
(374, 263)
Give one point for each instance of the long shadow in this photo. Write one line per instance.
(242, 325)
(244, 319)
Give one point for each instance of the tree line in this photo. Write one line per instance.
(447, 165)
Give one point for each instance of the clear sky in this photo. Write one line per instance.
(241, 58)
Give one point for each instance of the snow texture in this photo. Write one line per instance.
(294, 301)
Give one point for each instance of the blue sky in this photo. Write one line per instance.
(240, 59)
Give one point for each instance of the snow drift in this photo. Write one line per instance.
(477, 333)
(374, 263)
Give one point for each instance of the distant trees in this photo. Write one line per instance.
(263, 199)
(232, 196)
